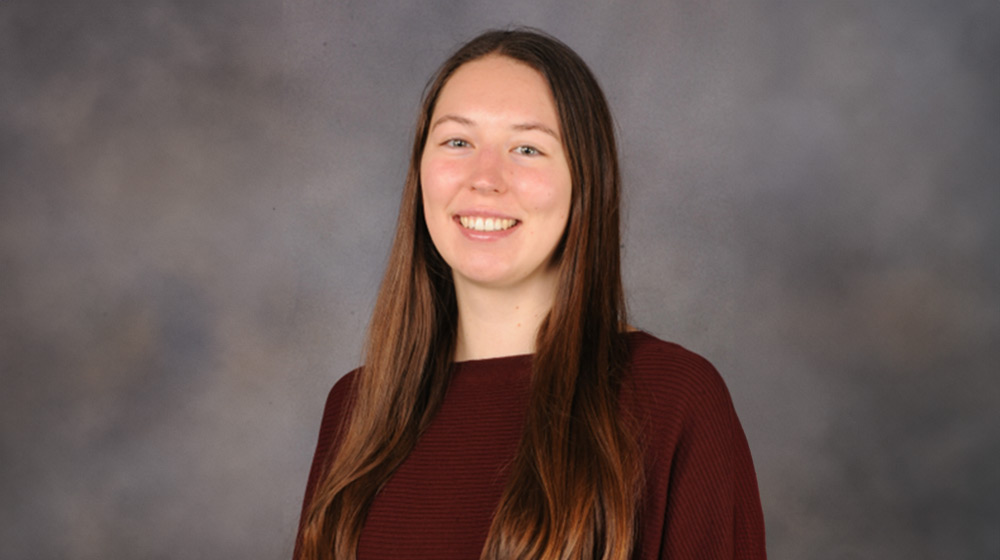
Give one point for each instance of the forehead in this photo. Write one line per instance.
(498, 85)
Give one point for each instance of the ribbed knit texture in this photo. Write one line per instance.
(700, 499)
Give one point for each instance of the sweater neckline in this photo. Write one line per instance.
(518, 358)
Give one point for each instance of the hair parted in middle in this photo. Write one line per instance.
(572, 491)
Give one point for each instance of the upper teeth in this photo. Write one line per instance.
(486, 224)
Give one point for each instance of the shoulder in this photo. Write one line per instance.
(700, 487)
(339, 398)
(335, 414)
(339, 401)
(674, 392)
(682, 405)
(658, 367)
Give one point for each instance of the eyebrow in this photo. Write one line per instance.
(537, 126)
(453, 118)
(520, 126)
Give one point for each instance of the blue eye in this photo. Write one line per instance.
(456, 143)
(527, 150)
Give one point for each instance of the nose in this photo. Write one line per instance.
(487, 175)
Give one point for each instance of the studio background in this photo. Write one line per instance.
(198, 198)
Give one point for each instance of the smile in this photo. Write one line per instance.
(486, 224)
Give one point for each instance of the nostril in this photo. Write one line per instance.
(487, 186)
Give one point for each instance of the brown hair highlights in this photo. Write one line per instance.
(573, 486)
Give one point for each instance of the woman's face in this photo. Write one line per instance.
(495, 181)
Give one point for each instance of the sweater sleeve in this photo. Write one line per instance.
(334, 413)
(712, 504)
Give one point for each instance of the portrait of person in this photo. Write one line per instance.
(506, 409)
(569, 279)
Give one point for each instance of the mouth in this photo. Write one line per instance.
(479, 223)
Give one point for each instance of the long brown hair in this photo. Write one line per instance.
(572, 491)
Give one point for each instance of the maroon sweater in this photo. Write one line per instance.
(700, 500)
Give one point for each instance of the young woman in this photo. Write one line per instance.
(505, 408)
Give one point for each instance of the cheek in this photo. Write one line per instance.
(550, 194)
(437, 180)
(430, 187)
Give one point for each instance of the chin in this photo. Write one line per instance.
(483, 278)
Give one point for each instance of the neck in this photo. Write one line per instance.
(500, 322)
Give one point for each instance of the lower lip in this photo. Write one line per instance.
(485, 235)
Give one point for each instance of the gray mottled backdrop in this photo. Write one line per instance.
(197, 199)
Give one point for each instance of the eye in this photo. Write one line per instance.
(456, 143)
(527, 151)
